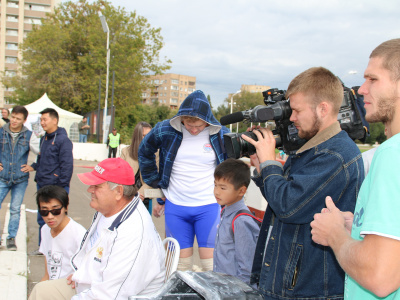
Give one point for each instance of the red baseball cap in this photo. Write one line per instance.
(114, 170)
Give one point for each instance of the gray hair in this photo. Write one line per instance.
(128, 192)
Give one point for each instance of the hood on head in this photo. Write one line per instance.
(196, 105)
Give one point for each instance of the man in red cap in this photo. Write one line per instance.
(121, 254)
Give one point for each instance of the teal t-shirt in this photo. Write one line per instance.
(378, 208)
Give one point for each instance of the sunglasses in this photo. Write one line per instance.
(54, 212)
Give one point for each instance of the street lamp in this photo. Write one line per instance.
(106, 30)
(238, 92)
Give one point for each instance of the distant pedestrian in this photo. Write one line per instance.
(113, 141)
(83, 130)
(15, 143)
(5, 113)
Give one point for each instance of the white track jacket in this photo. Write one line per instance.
(127, 259)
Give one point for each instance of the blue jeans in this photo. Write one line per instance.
(39, 218)
(82, 138)
(17, 196)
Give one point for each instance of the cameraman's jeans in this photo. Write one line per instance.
(17, 196)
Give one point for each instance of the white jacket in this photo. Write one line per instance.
(127, 258)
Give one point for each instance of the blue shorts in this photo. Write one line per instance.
(184, 222)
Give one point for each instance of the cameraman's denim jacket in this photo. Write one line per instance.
(287, 263)
(13, 155)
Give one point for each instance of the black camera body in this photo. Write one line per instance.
(278, 109)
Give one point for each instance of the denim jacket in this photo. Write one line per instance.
(287, 263)
(13, 155)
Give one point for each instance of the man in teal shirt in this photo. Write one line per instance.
(370, 256)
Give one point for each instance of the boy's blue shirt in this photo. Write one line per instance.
(233, 254)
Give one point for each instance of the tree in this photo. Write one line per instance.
(67, 53)
(209, 101)
(243, 101)
(377, 133)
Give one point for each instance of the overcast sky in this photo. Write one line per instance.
(226, 43)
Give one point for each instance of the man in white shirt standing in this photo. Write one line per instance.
(121, 254)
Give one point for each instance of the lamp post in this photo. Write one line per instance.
(238, 92)
(106, 30)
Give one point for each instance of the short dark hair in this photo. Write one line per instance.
(52, 113)
(48, 192)
(20, 110)
(235, 171)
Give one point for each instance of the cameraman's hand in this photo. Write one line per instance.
(265, 146)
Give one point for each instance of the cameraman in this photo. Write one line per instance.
(287, 263)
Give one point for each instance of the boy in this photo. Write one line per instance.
(61, 236)
(235, 242)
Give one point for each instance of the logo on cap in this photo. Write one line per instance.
(99, 169)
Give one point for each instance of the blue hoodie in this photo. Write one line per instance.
(55, 163)
(166, 136)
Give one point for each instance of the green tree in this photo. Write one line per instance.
(377, 133)
(67, 53)
(209, 101)
(243, 101)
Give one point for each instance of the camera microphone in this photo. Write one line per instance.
(232, 118)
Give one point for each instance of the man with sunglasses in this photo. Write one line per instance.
(121, 254)
(15, 143)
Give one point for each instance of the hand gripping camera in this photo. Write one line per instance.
(277, 109)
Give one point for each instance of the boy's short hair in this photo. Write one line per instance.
(235, 171)
(48, 192)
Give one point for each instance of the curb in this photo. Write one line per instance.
(14, 267)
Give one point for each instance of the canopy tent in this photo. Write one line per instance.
(67, 119)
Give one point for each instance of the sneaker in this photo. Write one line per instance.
(11, 244)
(35, 253)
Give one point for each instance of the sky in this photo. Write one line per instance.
(227, 43)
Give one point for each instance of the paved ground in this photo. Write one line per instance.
(28, 270)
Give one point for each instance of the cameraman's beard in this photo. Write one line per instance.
(308, 135)
(385, 110)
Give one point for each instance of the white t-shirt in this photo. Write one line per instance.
(192, 177)
(59, 250)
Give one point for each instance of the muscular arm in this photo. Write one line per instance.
(373, 262)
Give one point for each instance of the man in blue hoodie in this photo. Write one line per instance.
(15, 143)
(54, 164)
(190, 146)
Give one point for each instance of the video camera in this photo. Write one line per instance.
(277, 108)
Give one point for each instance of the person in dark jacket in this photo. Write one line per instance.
(54, 164)
(287, 263)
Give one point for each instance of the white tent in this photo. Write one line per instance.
(67, 119)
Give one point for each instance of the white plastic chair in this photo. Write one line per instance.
(172, 251)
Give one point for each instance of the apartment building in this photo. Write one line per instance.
(16, 19)
(169, 89)
(254, 88)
